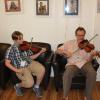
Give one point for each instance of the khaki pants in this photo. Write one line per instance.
(35, 68)
(71, 71)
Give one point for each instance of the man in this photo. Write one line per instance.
(78, 59)
(72, 6)
(42, 8)
(13, 6)
(22, 63)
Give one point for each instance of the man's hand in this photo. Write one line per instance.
(66, 54)
(94, 53)
(59, 51)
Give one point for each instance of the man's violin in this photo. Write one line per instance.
(28, 46)
(88, 47)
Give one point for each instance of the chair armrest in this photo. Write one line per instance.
(54, 60)
(59, 60)
(49, 56)
(58, 64)
(95, 64)
(4, 74)
(46, 57)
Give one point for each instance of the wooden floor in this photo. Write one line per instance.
(49, 94)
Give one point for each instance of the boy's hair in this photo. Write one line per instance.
(16, 35)
(80, 29)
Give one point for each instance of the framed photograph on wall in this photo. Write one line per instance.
(42, 7)
(12, 5)
(98, 6)
(71, 7)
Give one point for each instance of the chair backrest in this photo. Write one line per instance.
(59, 45)
(3, 49)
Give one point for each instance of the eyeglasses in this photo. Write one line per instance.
(80, 35)
(20, 38)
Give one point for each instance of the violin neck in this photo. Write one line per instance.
(93, 37)
(31, 42)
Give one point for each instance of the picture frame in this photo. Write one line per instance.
(71, 7)
(98, 6)
(12, 5)
(42, 7)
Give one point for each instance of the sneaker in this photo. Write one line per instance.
(37, 91)
(85, 98)
(65, 98)
(19, 92)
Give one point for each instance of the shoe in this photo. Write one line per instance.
(85, 98)
(65, 98)
(19, 92)
(37, 91)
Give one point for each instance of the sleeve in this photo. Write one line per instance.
(8, 54)
(13, 54)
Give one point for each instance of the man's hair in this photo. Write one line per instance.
(80, 29)
(16, 35)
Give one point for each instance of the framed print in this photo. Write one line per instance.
(98, 6)
(12, 6)
(42, 7)
(71, 7)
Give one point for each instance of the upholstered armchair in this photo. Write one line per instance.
(4, 71)
(59, 63)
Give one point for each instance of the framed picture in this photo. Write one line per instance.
(71, 7)
(98, 6)
(12, 6)
(42, 7)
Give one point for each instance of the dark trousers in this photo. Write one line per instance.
(70, 72)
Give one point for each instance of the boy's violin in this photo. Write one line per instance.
(29, 46)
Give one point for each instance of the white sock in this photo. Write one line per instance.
(17, 84)
(36, 86)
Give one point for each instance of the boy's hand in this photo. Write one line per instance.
(19, 70)
(43, 50)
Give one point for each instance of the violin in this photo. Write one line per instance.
(88, 47)
(29, 46)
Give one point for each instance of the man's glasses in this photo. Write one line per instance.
(80, 35)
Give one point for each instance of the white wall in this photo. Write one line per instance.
(55, 28)
(52, 28)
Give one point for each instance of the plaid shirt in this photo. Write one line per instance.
(16, 56)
